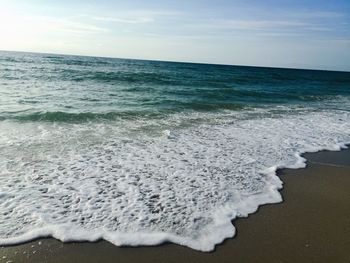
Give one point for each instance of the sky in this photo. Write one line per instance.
(285, 33)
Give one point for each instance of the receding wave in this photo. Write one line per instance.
(88, 182)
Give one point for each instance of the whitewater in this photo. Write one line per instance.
(181, 176)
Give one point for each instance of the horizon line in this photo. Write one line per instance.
(176, 61)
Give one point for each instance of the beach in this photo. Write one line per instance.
(175, 132)
(310, 225)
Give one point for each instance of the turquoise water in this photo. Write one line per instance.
(142, 152)
(38, 87)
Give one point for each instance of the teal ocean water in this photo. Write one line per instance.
(142, 152)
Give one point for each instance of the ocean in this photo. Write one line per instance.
(145, 152)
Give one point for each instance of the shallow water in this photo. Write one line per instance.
(141, 152)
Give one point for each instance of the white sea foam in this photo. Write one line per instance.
(96, 181)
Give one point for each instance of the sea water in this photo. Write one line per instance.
(143, 152)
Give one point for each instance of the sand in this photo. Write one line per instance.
(311, 225)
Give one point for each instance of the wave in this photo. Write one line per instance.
(59, 116)
(118, 77)
(77, 60)
(84, 182)
(146, 111)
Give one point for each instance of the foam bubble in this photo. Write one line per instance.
(185, 185)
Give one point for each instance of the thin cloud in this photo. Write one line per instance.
(315, 15)
(138, 20)
(48, 23)
(258, 24)
(136, 16)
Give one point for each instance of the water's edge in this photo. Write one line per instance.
(224, 228)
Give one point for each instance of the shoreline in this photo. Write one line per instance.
(311, 224)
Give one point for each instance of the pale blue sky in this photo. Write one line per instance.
(303, 34)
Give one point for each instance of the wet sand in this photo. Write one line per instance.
(311, 225)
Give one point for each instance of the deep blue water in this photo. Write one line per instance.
(73, 88)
